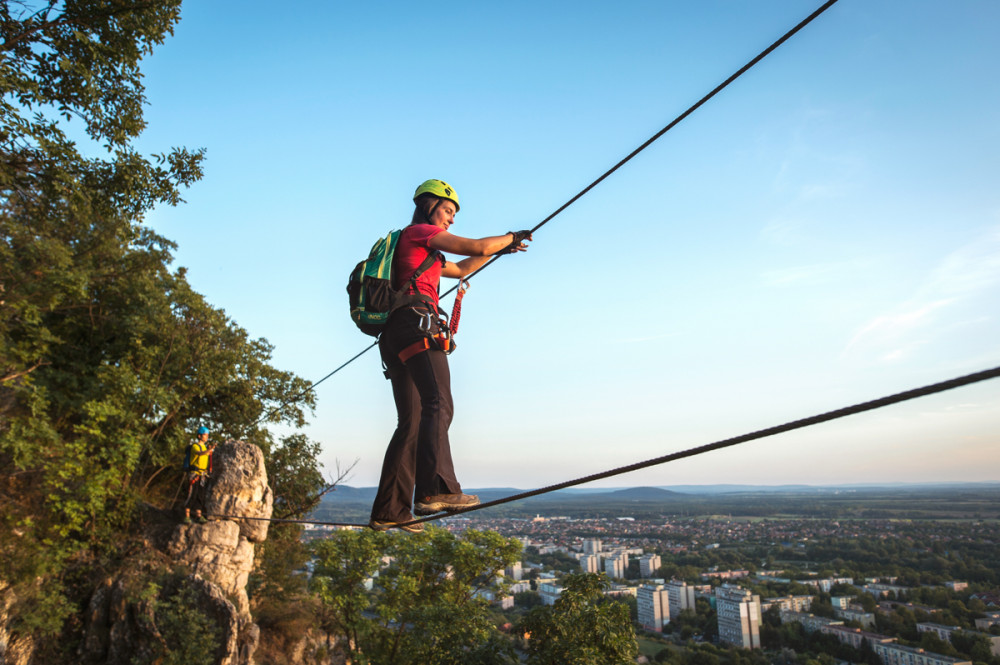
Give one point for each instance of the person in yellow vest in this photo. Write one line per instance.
(198, 464)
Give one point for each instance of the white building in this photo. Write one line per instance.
(739, 616)
(590, 563)
(649, 564)
(680, 597)
(621, 591)
(810, 622)
(549, 591)
(513, 572)
(866, 619)
(613, 567)
(855, 637)
(505, 602)
(788, 603)
(653, 605)
(592, 546)
(942, 631)
(896, 654)
(990, 619)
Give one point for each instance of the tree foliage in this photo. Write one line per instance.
(423, 606)
(108, 358)
(582, 626)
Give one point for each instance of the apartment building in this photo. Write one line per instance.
(896, 654)
(810, 622)
(680, 597)
(787, 603)
(649, 564)
(866, 619)
(991, 619)
(550, 592)
(942, 631)
(513, 571)
(856, 637)
(738, 611)
(613, 567)
(590, 563)
(653, 605)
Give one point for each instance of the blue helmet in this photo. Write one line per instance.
(202, 430)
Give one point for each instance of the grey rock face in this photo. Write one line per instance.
(238, 488)
(124, 628)
(218, 552)
(131, 621)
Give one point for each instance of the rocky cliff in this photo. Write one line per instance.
(190, 585)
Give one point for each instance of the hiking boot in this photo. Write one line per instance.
(385, 525)
(447, 502)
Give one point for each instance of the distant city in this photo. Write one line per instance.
(631, 551)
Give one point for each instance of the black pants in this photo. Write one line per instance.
(196, 491)
(419, 454)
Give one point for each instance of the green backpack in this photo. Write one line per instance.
(370, 291)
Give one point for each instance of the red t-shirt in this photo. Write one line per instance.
(411, 250)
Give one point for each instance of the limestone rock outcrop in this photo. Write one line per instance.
(218, 552)
(199, 580)
(126, 627)
(238, 488)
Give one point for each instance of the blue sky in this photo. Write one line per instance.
(824, 232)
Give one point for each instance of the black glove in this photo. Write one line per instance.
(519, 237)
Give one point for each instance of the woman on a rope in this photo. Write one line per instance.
(419, 454)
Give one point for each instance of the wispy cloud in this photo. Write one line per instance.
(963, 288)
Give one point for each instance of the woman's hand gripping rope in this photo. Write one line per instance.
(517, 244)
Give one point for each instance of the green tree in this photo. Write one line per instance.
(931, 642)
(582, 627)
(975, 645)
(425, 606)
(527, 599)
(108, 359)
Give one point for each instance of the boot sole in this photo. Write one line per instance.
(425, 509)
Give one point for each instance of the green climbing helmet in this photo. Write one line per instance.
(438, 188)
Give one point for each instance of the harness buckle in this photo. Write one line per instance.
(426, 321)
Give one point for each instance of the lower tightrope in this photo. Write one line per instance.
(691, 452)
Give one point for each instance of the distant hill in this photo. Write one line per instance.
(644, 494)
(920, 501)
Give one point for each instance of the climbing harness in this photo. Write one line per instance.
(438, 334)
